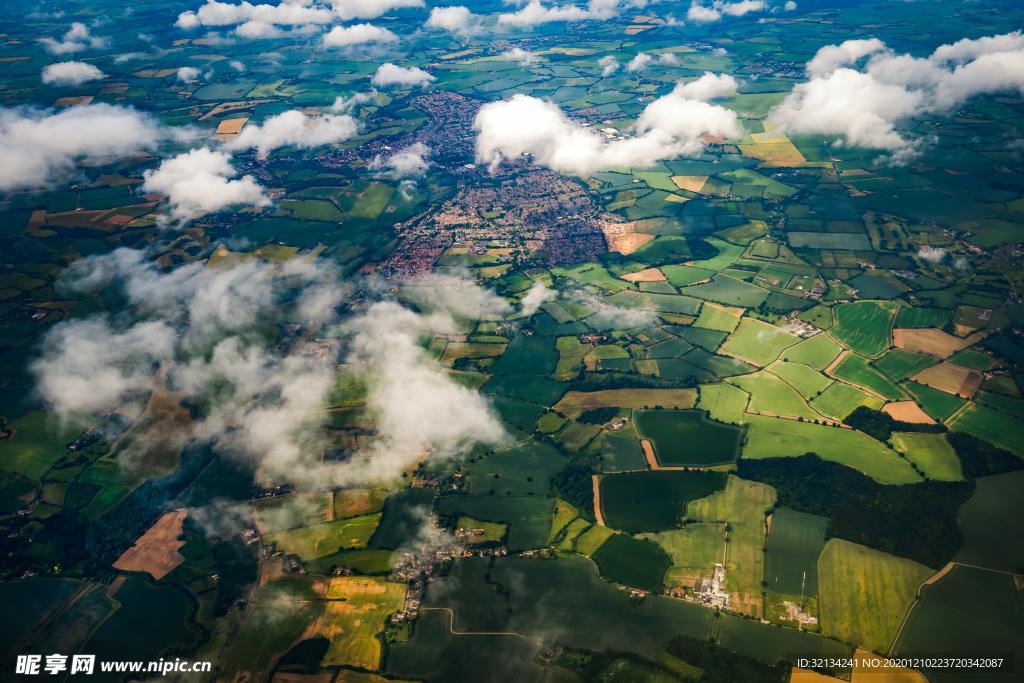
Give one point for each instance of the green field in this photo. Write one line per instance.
(794, 543)
(806, 380)
(864, 326)
(723, 402)
(729, 291)
(840, 399)
(632, 562)
(898, 364)
(969, 612)
(770, 644)
(817, 352)
(653, 501)
(992, 521)
(938, 404)
(773, 396)
(769, 437)
(758, 342)
(28, 603)
(931, 453)
(688, 437)
(855, 370)
(528, 517)
(864, 594)
(279, 613)
(716, 318)
(742, 505)
(326, 538)
(694, 549)
(991, 425)
(538, 597)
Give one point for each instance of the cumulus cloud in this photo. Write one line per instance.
(358, 34)
(454, 19)
(200, 182)
(188, 74)
(639, 62)
(789, 6)
(608, 64)
(454, 295)
(670, 126)
(535, 298)
(70, 73)
(410, 162)
(86, 366)
(261, 30)
(206, 334)
(416, 407)
(706, 14)
(293, 127)
(347, 105)
(535, 13)
(370, 9)
(861, 90)
(77, 39)
(39, 147)
(931, 254)
(215, 13)
(523, 57)
(392, 74)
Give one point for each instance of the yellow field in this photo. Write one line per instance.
(742, 505)
(951, 378)
(864, 594)
(357, 607)
(355, 502)
(646, 275)
(931, 341)
(781, 154)
(690, 183)
(575, 403)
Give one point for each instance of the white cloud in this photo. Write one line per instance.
(358, 34)
(417, 408)
(535, 13)
(789, 6)
(70, 73)
(77, 39)
(454, 19)
(708, 87)
(668, 59)
(347, 105)
(702, 15)
(706, 14)
(523, 57)
(215, 13)
(188, 20)
(931, 254)
(671, 126)
(40, 147)
(535, 298)
(237, 65)
(293, 127)
(86, 366)
(392, 74)
(639, 62)
(410, 162)
(188, 74)
(200, 182)
(608, 64)
(201, 332)
(370, 9)
(861, 91)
